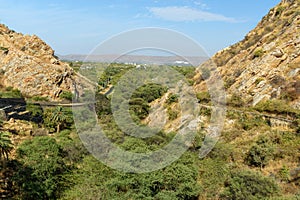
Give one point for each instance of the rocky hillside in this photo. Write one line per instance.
(27, 63)
(266, 63)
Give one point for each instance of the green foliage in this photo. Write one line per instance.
(187, 71)
(40, 170)
(248, 121)
(221, 151)
(279, 10)
(139, 107)
(35, 110)
(203, 97)
(66, 95)
(102, 105)
(58, 118)
(11, 93)
(172, 98)
(172, 114)
(72, 146)
(39, 98)
(258, 53)
(205, 111)
(236, 100)
(96, 181)
(212, 175)
(3, 48)
(277, 107)
(5, 144)
(138, 103)
(150, 92)
(248, 185)
(284, 174)
(260, 153)
(75, 65)
(113, 73)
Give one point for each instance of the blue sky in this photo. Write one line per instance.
(76, 27)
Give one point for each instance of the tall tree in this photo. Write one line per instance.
(60, 117)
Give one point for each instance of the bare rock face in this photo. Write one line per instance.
(27, 63)
(266, 63)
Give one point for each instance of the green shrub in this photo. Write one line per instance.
(66, 95)
(39, 98)
(221, 151)
(102, 106)
(279, 10)
(11, 93)
(284, 174)
(139, 107)
(58, 118)
(203, 97)
(260, 153)
(172, 98)
(248, 185)
(9, 88)
(187, 71)
(205, 111)
(172, 114)
(212, 175)
(41, 168)
(35, 110)
(94, 180)
(248, 122)
(140, 99)
(150, 92)
(258, 53)
(3, 48)
(277, 107)
(236, 100)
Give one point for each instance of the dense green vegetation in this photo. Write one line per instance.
(139, 102)
(10, 92)
(251, 160)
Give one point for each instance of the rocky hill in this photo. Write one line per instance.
(266, 63)
(27, 63)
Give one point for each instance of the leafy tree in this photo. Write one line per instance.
(58, 117)
(172, 98)
(36, 112)
(96, 181)
(248, 185)
(102, 105)
(5, 144)
(41, 168)
(260, 153)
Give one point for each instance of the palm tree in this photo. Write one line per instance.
(5, 144)
(58, 116)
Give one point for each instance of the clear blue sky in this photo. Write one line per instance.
(77, 26)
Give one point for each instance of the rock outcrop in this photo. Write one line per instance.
(27, 63)
(266, 63)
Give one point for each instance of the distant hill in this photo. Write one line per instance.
(139, 59)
